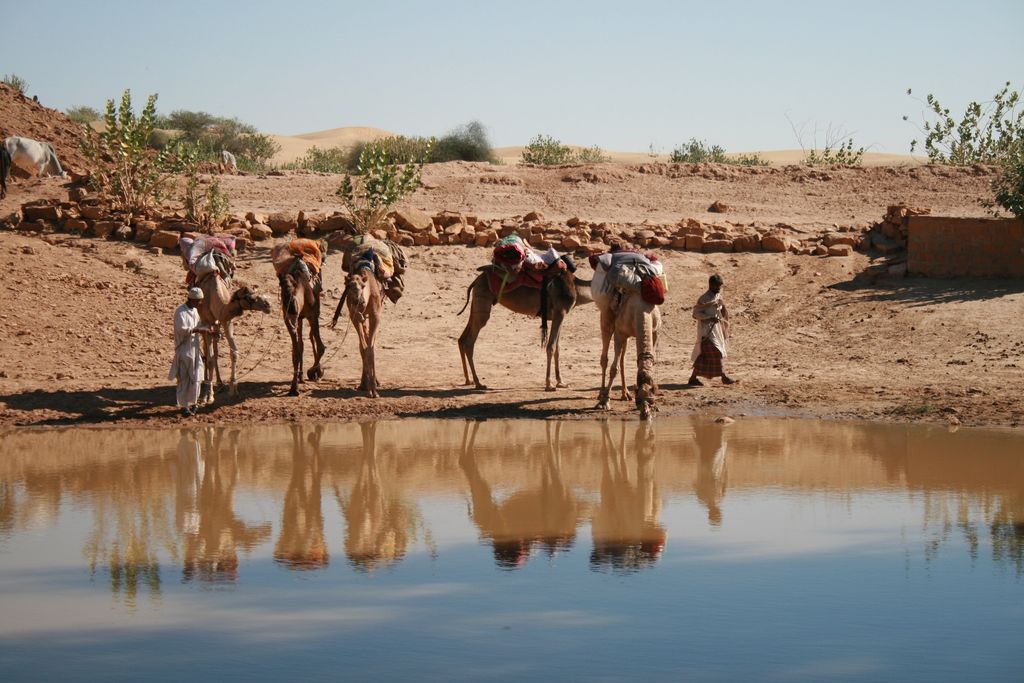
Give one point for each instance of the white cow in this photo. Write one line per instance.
(34, 154)
(227, 162)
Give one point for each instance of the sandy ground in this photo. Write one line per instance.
(86, 324)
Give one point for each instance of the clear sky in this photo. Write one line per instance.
(622, 75)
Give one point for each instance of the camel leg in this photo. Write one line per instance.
(370, 358)
(556, 328)
(296, 338)
(210, 351)
(479, 314)
(316, 372)
(229, 333)
(619, 343)
(607, 323)
(298, 335)
(626, 394)
(362, 334)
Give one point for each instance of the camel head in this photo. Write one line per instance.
(357, 293)
(645, 385)
(248, 300)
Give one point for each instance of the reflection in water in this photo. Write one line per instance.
(212, 532)
(379, 524)
(301, 543)
(544, 516)
(710, 482)
(626, 531)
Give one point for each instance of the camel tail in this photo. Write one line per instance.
(583, 292)
(468, 290)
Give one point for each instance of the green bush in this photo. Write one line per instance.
(84, 115)
(204, 207)
(698, 152)
(252, 148)
(545, 150)
(333, 160)
(381, 179)
(468, 142)
(842, 154)
(1008, 186)
(590, 155)
(988, 132)
(120, 161)
(16, 82)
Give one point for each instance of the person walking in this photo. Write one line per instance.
(187, 367)
(712, 335)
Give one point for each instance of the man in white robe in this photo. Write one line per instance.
(187, 367)
(712, 345)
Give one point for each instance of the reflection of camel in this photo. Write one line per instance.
(365, 300)
(711, 475)
(546, 516)
(627, 535)
(206, 498)
(379, 526)
(300, 300)
(564, 291)
(301, 543)
(623, 316)
(219, 308)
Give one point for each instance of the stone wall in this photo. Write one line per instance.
(965, 247)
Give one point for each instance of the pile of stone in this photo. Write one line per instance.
(890, 235)
(88, 215)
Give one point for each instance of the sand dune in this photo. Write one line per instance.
(294, 146)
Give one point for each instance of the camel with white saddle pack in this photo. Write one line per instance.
(299, 264)
(628, 287)
(209, 262)
(375, 269)
(526, 281)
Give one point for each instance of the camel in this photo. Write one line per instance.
(218, 309)
(625, 315)
(300, 300)
(564, 292)
(365, 299)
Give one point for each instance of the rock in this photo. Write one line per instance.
(820, 250)
(833, 238)
(446, 218)
(282, 223)
(746, 243)
(485, 238)
(694, 243)
(103, 229)
(256, 217)
(122, 232)
(77, 194)
(242, 243)
(897, 271)
(406, 240)
(412, 220)
(775, 243)
(533, 216)
(156, 251)
(76, 225)
(144, 230)
(165, 239)
(259, 232)
(717, 246)
(678, 242)
(44, 212)
(573, 222)
(840, 250)
(337, 222)
(92, 212)
(718, 207)
(379, 234)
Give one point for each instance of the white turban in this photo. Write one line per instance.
(195, 294)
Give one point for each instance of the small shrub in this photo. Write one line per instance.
(16, 82)
(837, 150)
(333, 160)
(252, 148)
(545, 150)
(204, 207)
(698, 152)
(379, 182)
(747, 160)
(987, 133)
(468, 142)
(590, 155)
(83, 115)
(1008, 186)
(121, 163)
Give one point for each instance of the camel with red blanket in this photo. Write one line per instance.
(549, 293)
(298, 264)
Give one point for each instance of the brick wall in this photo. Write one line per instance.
(976, 247)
